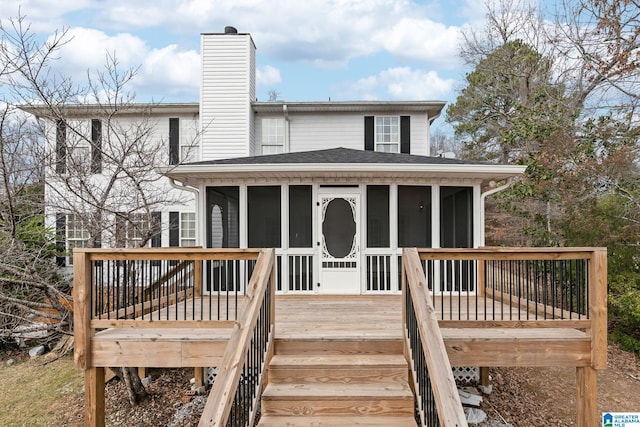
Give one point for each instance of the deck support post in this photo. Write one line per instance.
(198, 375)
(94, 397)
(484, 376)
(586, 398)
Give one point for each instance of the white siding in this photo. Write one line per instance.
(321, 131)
(228, 87)
(420, 134)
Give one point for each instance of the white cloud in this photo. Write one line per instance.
(43, 15)
(160, 71)
(87, 49)
(267, 76)
(325, 33)
(171, 69)
(422, 39)
(401, 83)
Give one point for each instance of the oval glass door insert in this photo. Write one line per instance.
(338, 228)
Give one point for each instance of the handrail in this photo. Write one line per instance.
(259, 312)
(423, 340)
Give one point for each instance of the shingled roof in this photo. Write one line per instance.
(338, 165)
(339, 156)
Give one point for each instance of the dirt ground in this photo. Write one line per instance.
(533, 397)
(523, 397)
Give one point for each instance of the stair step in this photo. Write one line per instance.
(337, 421)
(317, 346)
(309, 399)
(383, 368)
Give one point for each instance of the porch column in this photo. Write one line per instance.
(586, 397)
(94, 397)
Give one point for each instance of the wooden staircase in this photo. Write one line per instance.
(338, 382)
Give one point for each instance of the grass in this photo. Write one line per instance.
(32, 394)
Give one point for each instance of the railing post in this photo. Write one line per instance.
(482, 268)
(598, 307)
(82, 332)
(197, 279)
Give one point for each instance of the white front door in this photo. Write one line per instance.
(339, 245)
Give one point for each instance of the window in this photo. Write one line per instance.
(187, 229)
(79, 158)
(264, 216)
(77, 235)
(184, 146)
(387, 136)
(189, 143)
(137, 230)
(272, 136)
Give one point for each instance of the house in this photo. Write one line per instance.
(339, 188)
(342, 193)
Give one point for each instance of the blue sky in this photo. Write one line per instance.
(308, 50)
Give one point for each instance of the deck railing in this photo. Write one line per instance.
(437, 400)
(521, 287)
(236, 393)
(159, 287)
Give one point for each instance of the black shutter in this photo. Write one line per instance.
(405, 134)
(174, 228)
(369, 133)
(61, 147)
(156, 226)
(96, 146)
(174, 141)
(61, 235)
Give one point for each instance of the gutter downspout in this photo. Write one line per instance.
(430, 121)
(183, 187)
(285, 112)
(483, 198)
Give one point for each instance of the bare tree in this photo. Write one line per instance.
(99, 150)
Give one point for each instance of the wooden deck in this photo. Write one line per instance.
(342, 351)
(364, 317)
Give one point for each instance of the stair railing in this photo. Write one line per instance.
(235, 397)
(437, 399)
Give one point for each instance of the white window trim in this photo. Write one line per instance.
(133, 234)
(189, 141)
(393, 143)
(78, 242)
(190, 239)
(273, 135)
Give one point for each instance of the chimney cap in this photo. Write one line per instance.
(230, 30)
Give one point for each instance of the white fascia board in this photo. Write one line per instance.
(191, 173)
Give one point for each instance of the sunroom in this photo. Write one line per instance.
(339, 218)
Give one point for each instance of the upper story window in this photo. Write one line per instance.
(391, 134)
(387, 136)
(184, 145)
(272, 136)
(82, 153)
